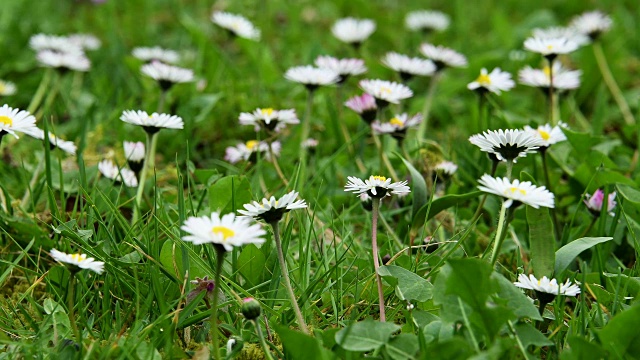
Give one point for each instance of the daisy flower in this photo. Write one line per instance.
(85, 41)
(135, 153)
(495, 82)
(67, 146)
(12, 120)
(270, 119)
(75, 61)
(364, 105)
(447, 168)
(550, 47)
(385, 92)
(563, 78)
(353, 31)
(555, 32)
(310, 144)
(507, 145)
(247, 151)
(344, 67)
(376, 186)
(271, 210)
(397, 126)
(77, 262)
(427, 20)
(443, 57)
(408, 67)
(524, 192)
(592, 23)
(7, 88)
(59, 44)
(594, 202)
(152, 123)
(167, 75)
(226, 231)
(156, 53)
(547, 286)
(109, 170)
(236, 25)
(312, 77)
(548, 134)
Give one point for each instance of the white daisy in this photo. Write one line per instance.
(555, 32)
(446, 167)
(376, 186)
(236, 25)
(496, 81)
(353, 31)
(7, 88)
(364, 105)
(548, 134)
(247, 151)
(121, 175)
(507, 145)
(58, 44)
(443, 57)
(134, 151)
(75, 61)
(270, 119)
(152, 123)
(594, 202)
(427, 20)
(550, 47)
(563, 78)
(67, 146)
(78, 261)
(386, 92)
(344, 67)
(524, 192)
(592, 23)
(547, 286)
(310, 143)
(228, 231)
(408, 67)
(85, 41)
(272, 210)
(156, 53)
(12, 120)
(167, 75)
(312, 77)
(397, 126)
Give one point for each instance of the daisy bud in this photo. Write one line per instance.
(251, 308)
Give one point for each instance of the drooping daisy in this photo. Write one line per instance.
(77, 262)
(310, 144)
(563, 78)
(156, 53)
(408, 67)
(397, 126)
(495, 82)
(75, 61)
(312, 77)
(67, 146)
(515, 191)
(85, 41)
(446, 168)
(236, 25)
(548, 134)
(226, 231)
(364, 105)
(594, 202)
(507, 145)
(167, 75)
(353, 31)
(58, 44)
(270, 119)
(271, 210)
(427, 20)
(15, 120)
(7, 88)
(592, 23)
(550, 47)
(247, 151)
(555, 32)
(135, 153)
(120, 175)
(443, 57)
(386, 92)
(376, 186)
(344, 67)
(547, 286)
(152, 123)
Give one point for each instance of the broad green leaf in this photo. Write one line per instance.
(470, 280)
(629, 193)
(438, 205)
(581, 348)
(515, 298)
(581, 142)
(229, 194)
(418, 188)
(408, 285)
(402, 347)
(453, 349)
(366, 335)
(301, 346)
(145, 350)
(620, 336)
(566, 254)
(541, 241)
(251, 264)
(529, 335)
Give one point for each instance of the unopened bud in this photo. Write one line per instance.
(251, 308)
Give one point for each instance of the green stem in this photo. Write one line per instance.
(509, 168)
(384, 160)
(554, 216)
(70, 305)
(552, 98)
(612, 84)
(304, 135)
(374, 248)
(287, 281)
(149, 162)
(502, 225)
(220, 252)
(263, 343)
(37, 97)
(163, 96)
(422, 129)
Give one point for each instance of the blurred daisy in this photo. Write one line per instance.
(156, 53)
(67, 146)
(270, 119)
(75, 61)
(353, 31)
(548, 134)
(594, 202)
(550, 47)
(77, 262)
(58, 44)
(547, 286)
(135, 153)
(555, 32)
(495, 82)
(226, 231)
(344, 67)
(310, 144)
(427, 20)
(12, 120)
(85, 41)
(521, 192)
(167, 75)
(120, 175)
(376, 186)
(592, 23)
(312, 77)
(236, 25)
(385, 92)
(7, 88)
(397, 126)
(408, 67)
(271, 210)
(563, 78)
(152, 123)
(443, 57)
(247, 151)
(446, 168)
(364, 105)
(507, 145)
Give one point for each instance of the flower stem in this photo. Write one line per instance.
(374, 247)
(220, 253)
(37, 97)
(422, 129)
(612, 84)
(501, 229)
(287, 281)
(384, 160)
(552, 97)
(509, 168)
(263, 343)
(554, 216)
(304, 135)
(149, 161)
(70, 304)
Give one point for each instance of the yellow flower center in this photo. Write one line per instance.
(484, 79)
(235, 25)
(513, 189)
(6, 121)
(385, 90)
(267, 111)
(224, 231)
(78, 257)
(544, 135)
(378, 177)
(397, 122)
(2, 87)
(251, 144)
(547, 71)
(549, 47)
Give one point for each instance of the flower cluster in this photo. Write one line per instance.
(64, 52)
